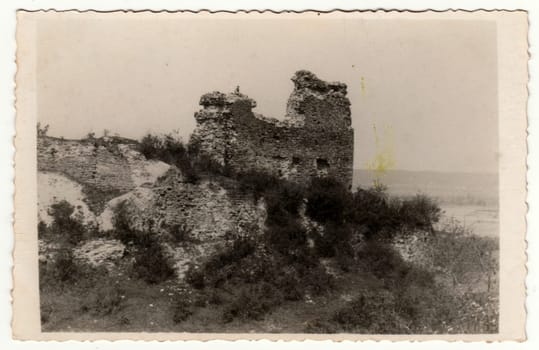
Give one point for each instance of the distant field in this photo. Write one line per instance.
(470, 198)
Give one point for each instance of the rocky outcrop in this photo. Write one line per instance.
(100, 252)
(55, 187)
(315, 138)
(105, 167)
(208, 212)
(206, 209)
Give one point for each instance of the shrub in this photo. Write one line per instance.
(151, 263)
(316, 280)
(256, 182)
(419, 212)
(336, 237)
(205, 164)
(383, 216)
(166, 148)
(182, 308)
(289, 283)
(46, 310)
(171, 150)
(327, 200)
(42, 230)
(195, 277)
(64, 224)
(62, 269)
(253, 302)
(290, 197)
(345, 260)
(240, 248)
(287, 237)
(381, 260)
(42, 130)
(371, 208)
(224, 265)
(371, 312)
(122, 221)
(463, 256)
(104, 298)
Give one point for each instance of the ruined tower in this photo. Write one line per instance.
(314, 139)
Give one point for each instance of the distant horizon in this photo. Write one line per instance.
(434, 171)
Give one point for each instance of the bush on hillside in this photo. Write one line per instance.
(419, 212)
(286, 236)
(408, 300)
(372, 209)
(381, 260)
(42, 230)
(253, 302)
(64, 224)
(383, 216)
(372, 312)
(249, 270)
(327, 200)
(182, 308)
(152, 264)
(104, 298)
(256, 182)
(462, 255)
(62, 268)
(336, 238)
(171, 150)
(123, 230)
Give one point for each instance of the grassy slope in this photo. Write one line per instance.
(144, 307)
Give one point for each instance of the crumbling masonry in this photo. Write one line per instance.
(314, 139)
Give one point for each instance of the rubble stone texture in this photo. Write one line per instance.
(105, 167)
(314, 139)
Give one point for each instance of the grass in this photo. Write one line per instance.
(159, 307)
(347, 275)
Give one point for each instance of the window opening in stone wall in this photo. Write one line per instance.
(322, 164)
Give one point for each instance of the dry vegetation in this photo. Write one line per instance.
(346, 275)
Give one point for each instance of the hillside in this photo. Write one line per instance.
(153, 236)
(95, 176)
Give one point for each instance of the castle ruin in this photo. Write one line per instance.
(314, 139)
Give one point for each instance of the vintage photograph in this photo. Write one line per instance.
(241, 173)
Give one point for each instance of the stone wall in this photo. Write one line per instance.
(315, 138)
(105, 167)
(113, 170)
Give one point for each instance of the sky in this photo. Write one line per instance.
(422, 92)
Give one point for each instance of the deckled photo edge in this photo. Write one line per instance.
(512, 125)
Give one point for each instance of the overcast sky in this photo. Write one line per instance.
(431, 85)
